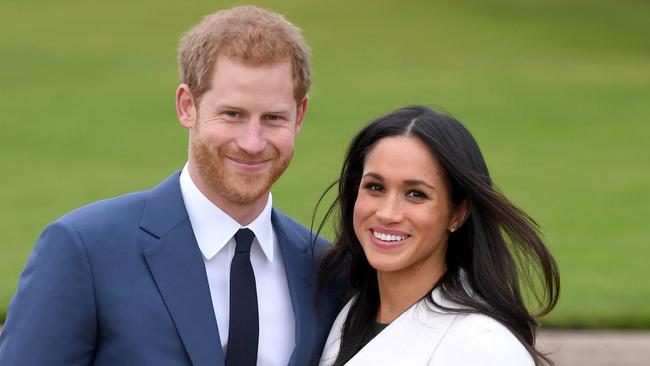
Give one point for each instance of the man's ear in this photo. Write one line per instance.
(186, 106)
(300, 113)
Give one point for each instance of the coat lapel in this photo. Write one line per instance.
(301, 279)
(411, 339)
(177, 267)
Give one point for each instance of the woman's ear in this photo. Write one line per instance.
(459, 216)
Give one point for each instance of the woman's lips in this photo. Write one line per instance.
(388, 239)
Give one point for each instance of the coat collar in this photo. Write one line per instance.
(164, 208)
(411, 339)
(176, 264)
(301, 278)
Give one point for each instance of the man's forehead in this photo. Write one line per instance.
(252, 61)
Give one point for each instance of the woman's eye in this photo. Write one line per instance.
(416, 194)
(374, 187)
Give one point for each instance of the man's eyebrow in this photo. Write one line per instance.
(274, 110)
(278, 111)
(227, 106)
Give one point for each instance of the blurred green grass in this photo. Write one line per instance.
(556, 92)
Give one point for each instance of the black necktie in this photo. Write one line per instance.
(243, 332)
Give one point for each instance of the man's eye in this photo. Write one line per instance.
(232, 114)
(273, 117)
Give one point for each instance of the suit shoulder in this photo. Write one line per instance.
(295, 228)
(107, 212)
(289, 222)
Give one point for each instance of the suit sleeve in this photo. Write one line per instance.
(52, 318)
(495, 347)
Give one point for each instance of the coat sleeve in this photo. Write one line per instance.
(495, 347)
(52, 318)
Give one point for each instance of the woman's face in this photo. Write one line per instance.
(403, 213)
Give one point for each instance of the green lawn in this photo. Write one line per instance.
(556, 92)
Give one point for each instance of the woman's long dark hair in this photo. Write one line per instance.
(496, 251)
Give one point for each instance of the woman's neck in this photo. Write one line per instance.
(400, 290)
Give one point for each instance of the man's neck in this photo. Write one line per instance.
(244, 214)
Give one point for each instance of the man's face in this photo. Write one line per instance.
(243, 135)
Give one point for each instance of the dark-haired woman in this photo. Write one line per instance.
(434, 254)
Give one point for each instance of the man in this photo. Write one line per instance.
(199, 270)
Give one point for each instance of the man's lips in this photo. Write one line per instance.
(250, 165)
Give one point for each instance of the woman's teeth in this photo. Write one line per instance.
(388, 237)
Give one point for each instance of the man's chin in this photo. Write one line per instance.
(242, 193)
(240, 198)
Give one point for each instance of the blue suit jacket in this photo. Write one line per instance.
(122, 282)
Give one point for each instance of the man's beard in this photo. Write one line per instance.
(230, 183)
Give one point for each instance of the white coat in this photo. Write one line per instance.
(424, 336)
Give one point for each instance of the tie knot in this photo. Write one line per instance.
(244, 240)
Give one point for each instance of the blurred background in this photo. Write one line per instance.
(557, 93)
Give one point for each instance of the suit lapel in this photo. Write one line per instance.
(301, 279)
(177, 267)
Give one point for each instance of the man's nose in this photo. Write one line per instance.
(251, 138)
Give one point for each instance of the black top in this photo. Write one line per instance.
(376, 329)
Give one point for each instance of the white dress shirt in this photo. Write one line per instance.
(214, 231)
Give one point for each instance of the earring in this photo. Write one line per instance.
(452, 229)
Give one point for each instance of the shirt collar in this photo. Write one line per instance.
(213, 228)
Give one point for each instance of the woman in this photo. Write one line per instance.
(435, 256)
